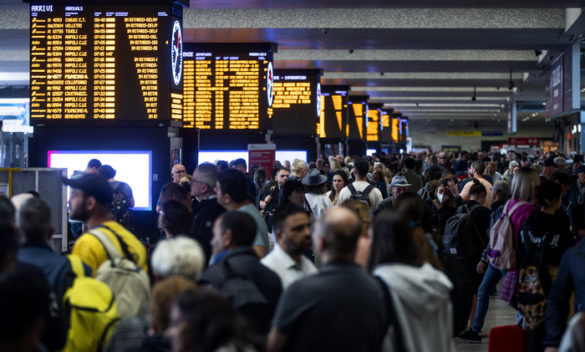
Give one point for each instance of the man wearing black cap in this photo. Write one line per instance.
(91, 195)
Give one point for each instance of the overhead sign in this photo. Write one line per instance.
(463, 133)
(227, 86)
(93, 62)
(523, 141)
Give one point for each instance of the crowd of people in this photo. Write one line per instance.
(384, 253)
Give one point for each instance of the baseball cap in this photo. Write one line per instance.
(581, 169)
(399, 181)
(94, 185)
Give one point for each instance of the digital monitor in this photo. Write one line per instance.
(373, 122)
(290, 155)
(295, 106)
(104, 62)
(133, 167)
(227, 86)
(333, 115)
(357, 118)
(385, 127)
(212, 156)
(370, 152)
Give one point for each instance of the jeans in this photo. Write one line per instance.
(488, 284)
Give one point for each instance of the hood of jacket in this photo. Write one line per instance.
(420, 289)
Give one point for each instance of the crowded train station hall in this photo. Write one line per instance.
(292, 175)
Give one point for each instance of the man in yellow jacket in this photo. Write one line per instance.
(91, 196)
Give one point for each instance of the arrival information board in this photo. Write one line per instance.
(373, 123)
(227, 86)
(333, 116)
(95, 63)
(358, 113)
(296, 104)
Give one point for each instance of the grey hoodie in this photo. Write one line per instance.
(421, 301)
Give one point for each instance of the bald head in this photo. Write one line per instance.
(337, 233)
(177, 172)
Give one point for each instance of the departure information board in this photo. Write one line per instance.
(296, 104)
(227, 86)
(98, 62)
(373, 122)
(403, 130)
(385, 127)
(395, 129)
(358, 113)
(333, 115)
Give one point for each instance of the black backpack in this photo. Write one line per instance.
(533, 279)
(362, 196)
(460, 232)
(120, 207)
(246, 297)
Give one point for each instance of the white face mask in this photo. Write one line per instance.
(440, 197)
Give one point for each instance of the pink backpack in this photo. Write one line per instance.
(502, 254)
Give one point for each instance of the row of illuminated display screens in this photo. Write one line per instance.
(135, 167)
(94, 63)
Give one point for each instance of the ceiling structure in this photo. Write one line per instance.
(424, 58)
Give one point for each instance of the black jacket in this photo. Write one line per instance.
(206, 212)
(570, 278)
(245, 281)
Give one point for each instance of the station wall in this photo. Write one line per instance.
(434, 133)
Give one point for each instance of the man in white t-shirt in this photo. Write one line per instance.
(361, 185)
(292, 228)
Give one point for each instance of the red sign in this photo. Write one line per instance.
(523, 141)
(262, 155)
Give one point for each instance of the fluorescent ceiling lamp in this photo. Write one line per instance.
(430, 89)
(425, 105)
(423, 75)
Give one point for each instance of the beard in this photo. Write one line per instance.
(295, 248)
(79, 214)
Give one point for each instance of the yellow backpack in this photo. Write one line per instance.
(90, 306)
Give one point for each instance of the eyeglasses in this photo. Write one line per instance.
(179, 171)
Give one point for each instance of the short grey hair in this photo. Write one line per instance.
(207, 173)
(503, 187)
(560, 161)
(513, 164)
(178, 256)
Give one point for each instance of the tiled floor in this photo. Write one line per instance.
(499, 314)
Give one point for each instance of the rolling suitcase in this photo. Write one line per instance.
(508, 338)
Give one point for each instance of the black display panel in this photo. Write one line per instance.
(385, 127)
(295, 103)
(373, 123)
(227, 86)
(333, 115)
(358, 112)
(96, 62)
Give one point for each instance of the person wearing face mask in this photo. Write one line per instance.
(444, 205)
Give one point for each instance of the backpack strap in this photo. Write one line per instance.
(109, 247)
(351, 189)
(76, 265)
(392, 318)
(122, 243)
(368, 189)
(509, 212)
